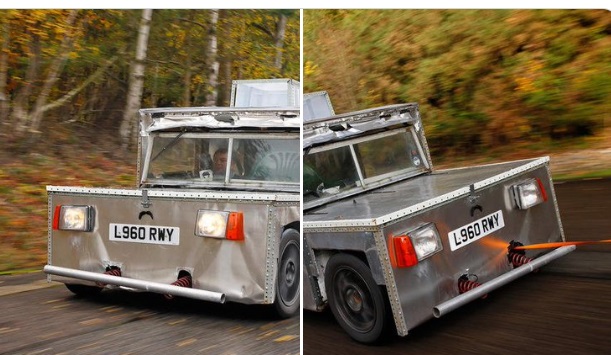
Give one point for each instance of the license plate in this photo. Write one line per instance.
(471, 232)
(136, 233)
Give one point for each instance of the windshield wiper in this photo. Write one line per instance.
(169, 145)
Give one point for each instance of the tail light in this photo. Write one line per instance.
(404, 251)
(235, 226)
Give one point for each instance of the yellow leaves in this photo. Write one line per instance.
(309, 68)
(526, 81)
(176, 36)
(197, 79)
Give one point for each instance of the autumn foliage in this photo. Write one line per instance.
(73, 66)
(483, 78)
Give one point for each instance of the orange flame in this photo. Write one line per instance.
(559, 244)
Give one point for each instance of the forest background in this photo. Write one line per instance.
(491, 84)
(72, 80)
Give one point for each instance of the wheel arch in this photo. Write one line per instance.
(296, 225)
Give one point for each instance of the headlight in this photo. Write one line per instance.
(416, 245)
(211, 224)
(220, 224)
(74, 218)
(426, 241)
(529, 193)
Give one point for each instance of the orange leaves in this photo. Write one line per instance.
(23, 198)
(525, 81)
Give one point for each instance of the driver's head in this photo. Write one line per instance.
(219, 161)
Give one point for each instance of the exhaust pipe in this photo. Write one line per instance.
(517, 259)
(183, 281)
(113, 271)
(458, 301)
(148, 286)
(465, 284)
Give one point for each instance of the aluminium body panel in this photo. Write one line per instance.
(245, 271)
(317, 105)
(265, 93)
(449, 199)
(406, 197)
(227, 118)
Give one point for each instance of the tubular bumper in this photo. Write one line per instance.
(148, 286)
(458, 301)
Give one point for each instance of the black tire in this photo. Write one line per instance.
(357, 302)
(289, 269)
(84, 290)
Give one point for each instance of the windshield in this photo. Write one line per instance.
(343, 168)
(216, 160)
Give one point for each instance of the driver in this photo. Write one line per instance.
(219, 163)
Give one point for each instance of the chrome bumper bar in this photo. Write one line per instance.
(147, 286)
(458, 301)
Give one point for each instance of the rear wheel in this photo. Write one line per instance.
(84, 290)
(357, 302)
(289, 268)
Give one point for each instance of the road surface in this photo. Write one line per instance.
(38, 319)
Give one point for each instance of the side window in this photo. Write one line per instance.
(267, 159)
(172, 157)
(387, 154)
(329, 172)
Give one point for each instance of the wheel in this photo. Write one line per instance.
(289, 268)
(357, 302)
(84, 290)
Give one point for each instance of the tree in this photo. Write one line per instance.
(279, 39)
(134, 96)
(213, 66)
(4, 37)
(52, 75)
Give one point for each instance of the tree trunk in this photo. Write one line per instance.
(52, 75)
(136, 80)
(19, 114)
(213, 67)
(4, 103)
(227, 82)
(188, 75)
(93, 77)
(280, 32)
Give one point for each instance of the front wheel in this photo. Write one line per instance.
(357, 302)
(83, 290)
(287, 283)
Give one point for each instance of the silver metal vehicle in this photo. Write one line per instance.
(215, 215)
(389, 242)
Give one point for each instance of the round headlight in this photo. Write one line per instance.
(211, 224)
(74, 218)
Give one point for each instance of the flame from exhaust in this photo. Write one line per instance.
(494, 243)
(559, 244)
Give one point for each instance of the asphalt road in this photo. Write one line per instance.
(565, 308)
(38, 319)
